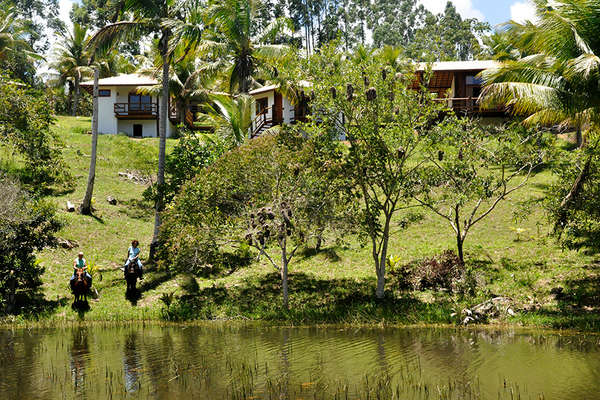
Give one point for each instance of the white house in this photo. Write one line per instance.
(271, 107)
(122, 109)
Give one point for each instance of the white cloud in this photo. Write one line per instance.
(464, 7)
(522, 11)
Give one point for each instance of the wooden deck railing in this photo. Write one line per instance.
(136, 109)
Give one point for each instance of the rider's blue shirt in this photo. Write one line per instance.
(133, 252)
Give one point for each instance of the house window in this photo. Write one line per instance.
(139, 102)
(104, 93)
(473, 80)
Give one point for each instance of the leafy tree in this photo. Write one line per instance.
(447, 37)
(71, 61)
(38, 18)
(258, 195)
(16, 55)
(369, 101)
(238, 38)
(395, 23)
(26, 225)
(555, 83)
(25, 128)
(193, 152)
(97, 13)
(580, 226)
(470, 169)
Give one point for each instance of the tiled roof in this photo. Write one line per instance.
(124, 80)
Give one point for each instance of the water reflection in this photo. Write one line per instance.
(131, 363)
(79, 356)
(247, 361)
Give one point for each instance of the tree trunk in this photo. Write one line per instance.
(75, 97)
(11, 297)
(382, 259)
(284, 276)
(459, 247)
(579, 137)
(573, 193)
(86, 205)
(319, 242)
(162, 132)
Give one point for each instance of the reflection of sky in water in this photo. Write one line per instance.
(218, 361)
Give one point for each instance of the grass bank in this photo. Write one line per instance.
(549, 286)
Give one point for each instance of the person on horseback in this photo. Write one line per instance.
(80, 262)
(133, 256)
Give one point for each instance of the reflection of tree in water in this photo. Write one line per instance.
(158, 361)
(79, 355)
(21, 353)
(131, 363)
(285, 365)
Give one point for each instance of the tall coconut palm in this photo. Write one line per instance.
(191, 81)
(71, 61)
(558, 82)
(237, 36)
(86, 205)
(149, 17)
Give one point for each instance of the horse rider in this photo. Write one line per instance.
(80, 262)
(133, 256)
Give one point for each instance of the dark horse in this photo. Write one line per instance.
(80, 285)
(131, 276)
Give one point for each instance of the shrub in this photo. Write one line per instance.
(26, 129)
(438, 272)
(193, 152)
(26, 225)
(443, 271)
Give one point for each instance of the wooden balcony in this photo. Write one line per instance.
(469, 106)
(136, 110)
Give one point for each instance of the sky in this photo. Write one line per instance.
(492, 11)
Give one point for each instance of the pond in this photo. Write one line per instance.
(225, 361)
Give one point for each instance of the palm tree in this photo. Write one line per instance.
(233, 26)
(147, 17)
(86, 205)
(557, 83)
(232, 117)
(190, 79)
(71, 61)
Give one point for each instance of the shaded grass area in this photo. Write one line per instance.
(509, 257)
(314, 300)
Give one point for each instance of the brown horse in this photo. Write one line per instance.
(80, 285)
(131, 276)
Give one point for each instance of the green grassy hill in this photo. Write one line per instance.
(526, 266)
